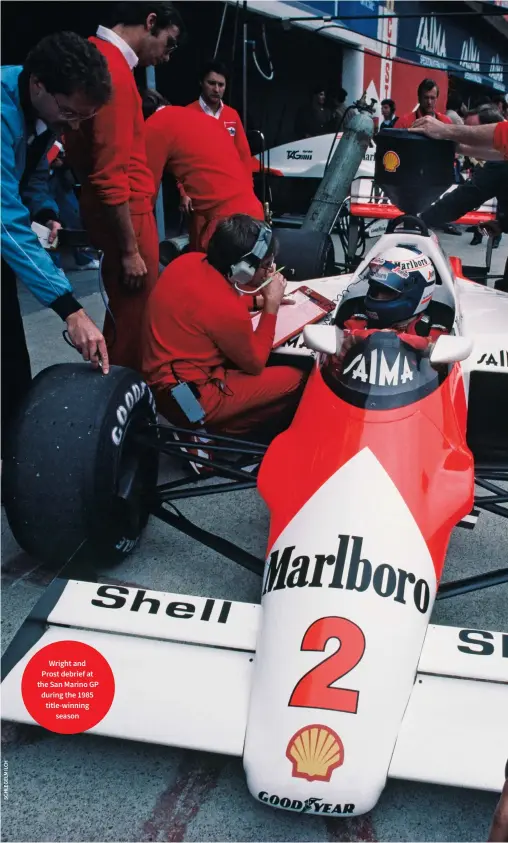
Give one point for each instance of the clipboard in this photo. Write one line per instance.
(309, 307)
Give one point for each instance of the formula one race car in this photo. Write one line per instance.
(361, 514)
(287, 177)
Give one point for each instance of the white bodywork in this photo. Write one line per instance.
(214, 675)
(307, 159)
(196, 695)
(481, 313)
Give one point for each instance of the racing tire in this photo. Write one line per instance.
(305, 254)
(75, 477)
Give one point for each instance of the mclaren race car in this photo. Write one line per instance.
(337, 680)
(287, 177)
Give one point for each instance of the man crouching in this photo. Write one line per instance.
(198, 334)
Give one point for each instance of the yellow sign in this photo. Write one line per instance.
(391, 161)
(315, 752)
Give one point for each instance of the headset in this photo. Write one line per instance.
(245, 269)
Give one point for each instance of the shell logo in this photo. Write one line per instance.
(315, 752)
(391, 161)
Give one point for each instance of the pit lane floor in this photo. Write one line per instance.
(88, 788)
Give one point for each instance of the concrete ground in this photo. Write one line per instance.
(88, 788)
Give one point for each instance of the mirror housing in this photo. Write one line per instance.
(323, 338)
(451, 349)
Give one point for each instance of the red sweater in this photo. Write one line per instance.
(501, 138)
(407, 120)
(196, 326)
(108, 152)
(197, 152)
(230, 119)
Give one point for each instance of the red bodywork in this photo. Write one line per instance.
(421, 446)
(384, 211)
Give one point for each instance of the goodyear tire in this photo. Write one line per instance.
(73, 470)
(305, 254)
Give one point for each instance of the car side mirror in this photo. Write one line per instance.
(451, 349)
(323, 338)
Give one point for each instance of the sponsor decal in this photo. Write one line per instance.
(375, 369)
(496, 69)
(296, 155)
(431, 37)
(315, 752)
(125, 545)
(415, 263)
(391, 161)
(475, 642)
(345, 569)
(312, 805)
(231, 127)
(470, 56)
(132, 397)
(111, 598)
(494, 358)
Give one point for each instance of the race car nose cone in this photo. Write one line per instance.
(411, 169)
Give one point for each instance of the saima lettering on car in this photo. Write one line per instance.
(132, 397)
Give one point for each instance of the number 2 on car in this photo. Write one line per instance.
(314, 689)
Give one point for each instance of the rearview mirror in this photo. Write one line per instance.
(450, 349)
(323, 338)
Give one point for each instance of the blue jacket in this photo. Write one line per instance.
(20, 247)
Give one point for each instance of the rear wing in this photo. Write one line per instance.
(183, 672)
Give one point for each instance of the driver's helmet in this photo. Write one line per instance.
(401, 285)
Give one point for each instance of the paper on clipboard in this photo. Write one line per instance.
(308, 307)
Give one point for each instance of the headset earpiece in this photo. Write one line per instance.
(245, 269)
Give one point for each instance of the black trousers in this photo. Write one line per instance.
(16, 372)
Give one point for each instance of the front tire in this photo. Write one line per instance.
(74, 471)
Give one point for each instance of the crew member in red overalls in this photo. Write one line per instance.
(198, 152)
(428, 94)
(212, 81)
(108, 155)
(211, 102)
(198, 332)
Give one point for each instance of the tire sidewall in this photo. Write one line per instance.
(130, 408)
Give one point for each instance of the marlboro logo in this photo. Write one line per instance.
(346, 569)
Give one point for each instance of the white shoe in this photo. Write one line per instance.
(198, 452)
(91, 265)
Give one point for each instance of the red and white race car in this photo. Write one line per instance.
(337, 680)
(290, 174)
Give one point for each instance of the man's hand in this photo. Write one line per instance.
(54, 228)
(88, 340)
(490, 228)
(431, 127)
(133, 271)
(273, 293)
(186, 205)
(499, 827)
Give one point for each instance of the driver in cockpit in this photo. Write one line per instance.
(401, 285)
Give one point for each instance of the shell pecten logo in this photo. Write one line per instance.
(315, 752)
(391, 161)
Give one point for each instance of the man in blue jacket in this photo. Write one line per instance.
(64, 80)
